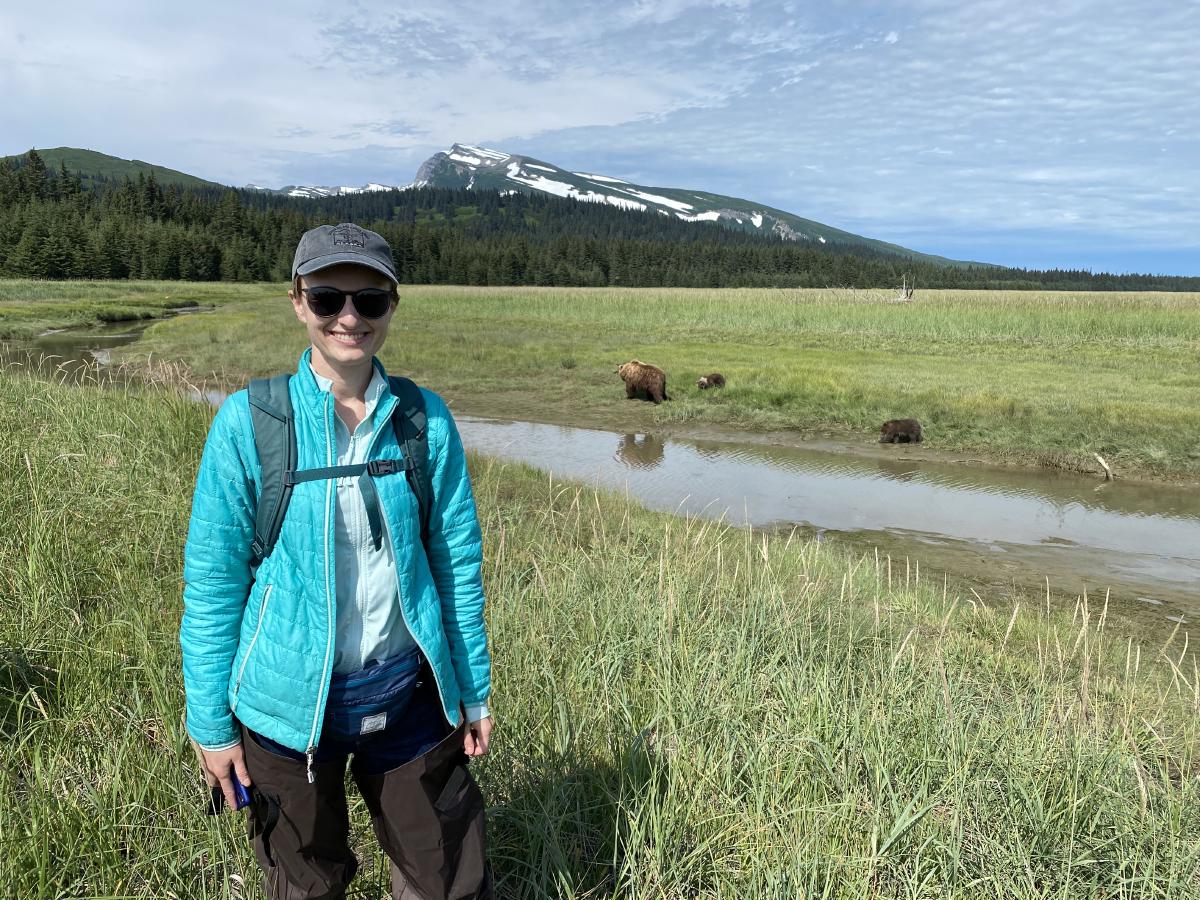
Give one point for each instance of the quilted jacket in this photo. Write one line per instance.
(262, 649)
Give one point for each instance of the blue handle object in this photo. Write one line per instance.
(240, 793)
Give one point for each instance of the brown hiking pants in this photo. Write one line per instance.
(428, 815)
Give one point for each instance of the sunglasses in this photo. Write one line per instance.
(327, 302)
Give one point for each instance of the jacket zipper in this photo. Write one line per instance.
(312, 737)
(262, 609)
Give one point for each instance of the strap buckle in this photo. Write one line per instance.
(389, 466)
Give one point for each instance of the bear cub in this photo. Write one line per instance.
(716, 380)
(900, 431)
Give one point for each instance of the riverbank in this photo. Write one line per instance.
(683, 708)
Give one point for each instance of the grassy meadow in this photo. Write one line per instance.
(684, 709)
(1031, 378)
(28, 308)
(1040, 379)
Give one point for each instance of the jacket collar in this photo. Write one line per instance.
(313, 393)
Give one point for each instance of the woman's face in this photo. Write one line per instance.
(346, 341)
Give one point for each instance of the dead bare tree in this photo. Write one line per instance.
(906, 292)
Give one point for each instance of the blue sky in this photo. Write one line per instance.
(1050, 134)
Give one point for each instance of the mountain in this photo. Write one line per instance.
(465, 166)
(312, 193)
(89, 165)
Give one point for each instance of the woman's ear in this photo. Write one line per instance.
(297, 299)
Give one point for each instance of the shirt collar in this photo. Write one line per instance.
(375, 387)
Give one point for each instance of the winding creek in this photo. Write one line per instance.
(1139, 542)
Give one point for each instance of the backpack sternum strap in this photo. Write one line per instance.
(366, 473)
(275, 441)
(374, 467)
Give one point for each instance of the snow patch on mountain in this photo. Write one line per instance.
(656, 198)
(496, 155)
(313, 192)
(711, 216)
(516, 172)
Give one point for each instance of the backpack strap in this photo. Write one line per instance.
(411, 426)
(275, 440)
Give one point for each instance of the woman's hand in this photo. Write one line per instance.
(475, 740)
(221, 766)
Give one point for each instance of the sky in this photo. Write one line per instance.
(1057, 134)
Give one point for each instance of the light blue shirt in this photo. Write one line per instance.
(370, 625)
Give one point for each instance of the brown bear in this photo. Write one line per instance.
(716, 379)
(900, 431)
(643, 381)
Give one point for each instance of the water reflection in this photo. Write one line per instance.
(1143, 537)
(640, 451)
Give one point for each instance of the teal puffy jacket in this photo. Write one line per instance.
(262, 649)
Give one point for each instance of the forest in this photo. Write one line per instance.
(58, 224)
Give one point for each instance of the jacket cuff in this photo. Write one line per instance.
(476, 711)
(222, 747)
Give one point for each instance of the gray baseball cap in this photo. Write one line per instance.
(331, 245)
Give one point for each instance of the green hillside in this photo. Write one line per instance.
(90, 164)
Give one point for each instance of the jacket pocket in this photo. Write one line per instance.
(262, 611)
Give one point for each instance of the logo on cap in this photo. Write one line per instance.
(350, 235)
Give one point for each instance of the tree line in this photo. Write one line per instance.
(59, 224)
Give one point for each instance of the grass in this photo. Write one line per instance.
(685, 709)
(28, 308)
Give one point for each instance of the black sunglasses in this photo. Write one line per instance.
(327, 302)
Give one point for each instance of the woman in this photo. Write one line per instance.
(357, 632)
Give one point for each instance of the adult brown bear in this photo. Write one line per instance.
(900, 431)
(716, 379)
(643, 381)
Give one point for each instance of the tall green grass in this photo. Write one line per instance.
(684, 709)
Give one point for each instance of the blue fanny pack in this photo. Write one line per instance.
(366, 702)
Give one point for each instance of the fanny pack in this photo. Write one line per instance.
(367, 701)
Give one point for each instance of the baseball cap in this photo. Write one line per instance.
(331, 245)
